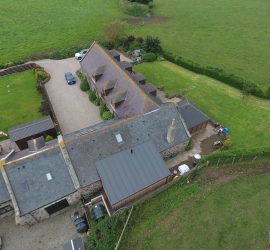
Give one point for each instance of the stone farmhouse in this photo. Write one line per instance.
(123, 159)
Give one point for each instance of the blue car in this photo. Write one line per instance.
(70, 78)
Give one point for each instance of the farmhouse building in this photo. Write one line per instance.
(58, 174)
(124, 92)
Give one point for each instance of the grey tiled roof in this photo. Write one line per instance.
(92, 144)
(137, 101)
(30, 185)
(4, 195)
(31, 128)
(191, 115)
(130, 171)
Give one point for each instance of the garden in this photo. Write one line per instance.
(20, 100)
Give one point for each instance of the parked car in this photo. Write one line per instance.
(81, 54)
(70, 78)
(80, 223)
(98, 212)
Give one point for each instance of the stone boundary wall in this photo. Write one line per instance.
(18, 68)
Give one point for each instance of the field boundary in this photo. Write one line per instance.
(18, 68)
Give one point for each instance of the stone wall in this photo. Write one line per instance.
(6, 209)
(88, 191)
(41, 214)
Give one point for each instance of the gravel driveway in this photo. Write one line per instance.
(72, 107)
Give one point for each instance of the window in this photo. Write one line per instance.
(119, 138)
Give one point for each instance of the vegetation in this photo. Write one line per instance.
(19, 101)
(105, 233)
(152, 45)
(136, 8)
(107, 115)
(84, 86)
(114, 31)
(92, 95)
(39, 27)
(224, 35)
(41, 75)
(149, 57)
(204, 213)
(48, 138)
(248, 123)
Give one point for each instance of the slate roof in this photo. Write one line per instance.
(31, 128)
(130, 171)
(89, 145)
(137, 101)
(29, 183)
(191, 115)
(139, 77)
(4, 195)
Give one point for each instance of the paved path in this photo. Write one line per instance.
(72, 108)
(50, 234)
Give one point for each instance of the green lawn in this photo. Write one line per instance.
(248, 119)
(32, 26)
(232, 215)
(19, 100)
(233, 35)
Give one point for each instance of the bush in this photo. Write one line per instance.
(48, 138)
(135, 9)
(141, 1)
(45, 108)
(106, 44)
(41, 75)
(92, 96)
(152, 44)
(190, 145)
(107, 115)
(149, 57)
(102, 109)
(227, 144)
(97, 102)
(80, 75)
(215, 73)
(84, 86)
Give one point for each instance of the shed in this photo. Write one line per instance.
(129, 174)
(25, 132)
(194, 118)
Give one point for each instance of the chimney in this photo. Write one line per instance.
(36, 144)
(171, 131)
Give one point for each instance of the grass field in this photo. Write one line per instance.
(248, 119)
(233, 35)
(229, 212)
(21, 104)
(32, 26)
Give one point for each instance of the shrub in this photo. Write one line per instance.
(152, 44)
(141, 1)
(97, 102)
(92, 96)
(107, 115)
(41, 75)
(84, 86)
(190, 145)
(48, 138)
(45, 108)
(135, 9)
(227, 144)
(80, 75)
(102, 109)
(149, 57)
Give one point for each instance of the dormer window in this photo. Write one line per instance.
(109, 86)
(119, 138)
(118, 98)
(99, 72)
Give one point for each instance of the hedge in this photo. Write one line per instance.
(216, 73)
(149, 57)
(107, 115)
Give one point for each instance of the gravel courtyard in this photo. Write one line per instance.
(73, 109)
(50, 234)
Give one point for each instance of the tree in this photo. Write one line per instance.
(152, 44)
(248, 88)
(114, 31)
